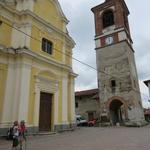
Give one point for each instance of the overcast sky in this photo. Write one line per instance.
(81, 28)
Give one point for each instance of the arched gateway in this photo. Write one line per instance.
(117, 111)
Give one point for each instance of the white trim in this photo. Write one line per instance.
(43, 85)
(72, 101)
(98, 43)
(17, 91)
(122, 36)
(40, 57)
(15, 105)
(56, 104)
(37, 103)
(110, 32)
(45, 59)
(65, 100)
(21, 40)
(25, 5)
(9, 94)
(24, 92)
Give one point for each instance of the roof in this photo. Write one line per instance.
(146, 82)
(86, 92)
(147, 111)
(109, 3)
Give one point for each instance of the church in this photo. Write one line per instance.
(36, 76)
(119, 93)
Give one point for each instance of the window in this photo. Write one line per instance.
(108, 18)
(77, 104)
(47, 46)
(113, 85)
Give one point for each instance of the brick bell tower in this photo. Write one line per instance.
(117, 75)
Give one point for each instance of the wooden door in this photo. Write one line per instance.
(45, 112)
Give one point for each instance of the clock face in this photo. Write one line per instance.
(109, 40)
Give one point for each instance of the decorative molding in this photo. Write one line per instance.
(108, 33)
(47, 85)
(40, 57)
(37, 18)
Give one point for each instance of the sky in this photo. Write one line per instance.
(82, 30)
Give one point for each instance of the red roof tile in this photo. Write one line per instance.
(86, 92)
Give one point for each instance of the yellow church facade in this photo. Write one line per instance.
(36, 76)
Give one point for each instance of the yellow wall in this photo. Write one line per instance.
(3, 77)
(36, 45)
(47, 11)
(68, 57)
(5, 32)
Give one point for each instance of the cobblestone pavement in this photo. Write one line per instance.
(91, 139)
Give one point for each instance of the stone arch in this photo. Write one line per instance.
(117, 108)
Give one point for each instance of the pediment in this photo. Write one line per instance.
(48, 75)
(51, 7)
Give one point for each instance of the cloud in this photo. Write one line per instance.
(82, 29)
(143, 57)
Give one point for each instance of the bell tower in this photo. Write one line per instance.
(117, 75)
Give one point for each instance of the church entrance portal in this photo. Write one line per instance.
(117, 112)
(45, 116)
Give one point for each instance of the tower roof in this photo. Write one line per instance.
(109, 3)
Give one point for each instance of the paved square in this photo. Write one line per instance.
(120, 138)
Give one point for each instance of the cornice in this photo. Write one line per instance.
(64, 18)
(26, 51)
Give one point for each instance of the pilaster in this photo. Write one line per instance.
(65, 100)
(9, 96)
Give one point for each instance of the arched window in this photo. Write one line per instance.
(47, 46)
(108, 18)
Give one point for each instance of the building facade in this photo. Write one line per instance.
(120, 99)
(87, 104)
(36, 76)
(147, 83)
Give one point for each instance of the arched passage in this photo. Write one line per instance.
(117, 111)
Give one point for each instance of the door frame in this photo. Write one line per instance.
(51, 109)
(47, 86)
